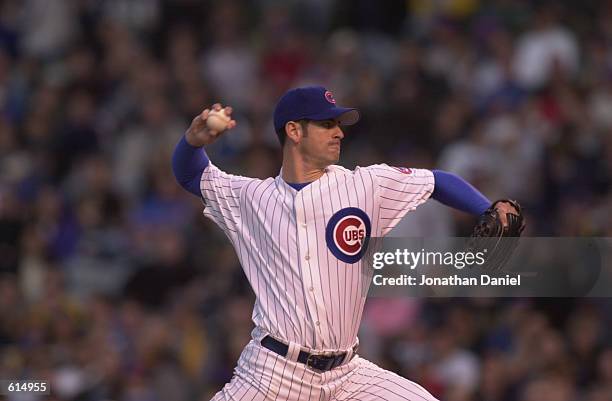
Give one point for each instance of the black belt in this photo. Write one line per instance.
(318, 362)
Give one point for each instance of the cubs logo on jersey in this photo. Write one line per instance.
(347, 234)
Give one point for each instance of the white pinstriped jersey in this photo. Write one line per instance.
(302, 251)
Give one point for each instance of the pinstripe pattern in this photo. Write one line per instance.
(304, 293)
(263, 375)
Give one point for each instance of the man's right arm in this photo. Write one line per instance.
(188, 164)
(189, 159)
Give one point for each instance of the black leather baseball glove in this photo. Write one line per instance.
(495, 239)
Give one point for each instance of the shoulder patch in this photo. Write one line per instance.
(404, 170)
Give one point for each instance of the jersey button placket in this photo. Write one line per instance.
(305, 235)
(309, 273)
(308, 238)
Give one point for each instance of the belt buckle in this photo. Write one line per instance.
(309, 359)
(312, 361)
(318, 362)
(322, 363)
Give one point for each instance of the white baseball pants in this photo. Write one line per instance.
(264, 375)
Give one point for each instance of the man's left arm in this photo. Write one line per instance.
(453, 191)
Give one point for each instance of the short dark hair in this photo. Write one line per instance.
(282, 133)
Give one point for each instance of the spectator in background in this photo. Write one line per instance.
(546, 49)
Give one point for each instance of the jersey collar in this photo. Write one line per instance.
(281, 183)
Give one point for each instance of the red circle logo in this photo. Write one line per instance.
(349, 234)
(330, 97)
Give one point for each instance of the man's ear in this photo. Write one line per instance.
(294, 131)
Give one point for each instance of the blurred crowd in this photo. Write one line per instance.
(113, 285)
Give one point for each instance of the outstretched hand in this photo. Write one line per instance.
(503, 208)
(198, 134)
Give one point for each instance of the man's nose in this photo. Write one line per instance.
(338, 133)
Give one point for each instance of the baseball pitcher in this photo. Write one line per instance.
(301, 237)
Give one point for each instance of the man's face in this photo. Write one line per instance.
(321, 142)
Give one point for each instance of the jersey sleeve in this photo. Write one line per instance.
(221, 195)
(399, 190)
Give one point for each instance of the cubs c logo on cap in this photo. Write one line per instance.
(330, 97)
(347, 234)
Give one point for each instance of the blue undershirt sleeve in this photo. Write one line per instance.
(454, 191)
(188, 164)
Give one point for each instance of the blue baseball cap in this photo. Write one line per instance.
(311, 103)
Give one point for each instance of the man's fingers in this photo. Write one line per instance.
(216, 107)
(503, 208)
(199, 121)
(503, 218)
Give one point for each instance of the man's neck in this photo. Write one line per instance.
(296, 170)
(300, 174)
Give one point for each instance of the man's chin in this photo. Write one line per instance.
(328, 163)
(333, 159)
